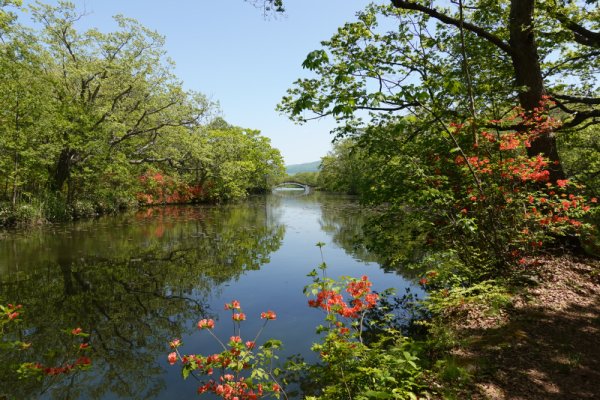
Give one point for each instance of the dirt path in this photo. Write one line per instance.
(548, 346)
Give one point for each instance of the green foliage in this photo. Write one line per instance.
(309, 178)
(413, 103)
(464, 192)
(345, 169)
(386, 367)
(580, 152)
(64, 360)
(446, 303)
(86, 113)
(27, 214)
(241, 161)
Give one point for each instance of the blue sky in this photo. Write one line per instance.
(228, 51)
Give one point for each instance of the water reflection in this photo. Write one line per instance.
(291, 192)
(137, 280)
(132, 282)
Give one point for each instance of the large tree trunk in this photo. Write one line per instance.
(522, 49)
(528, 75)
(62, 170)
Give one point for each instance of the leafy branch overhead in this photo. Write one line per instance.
(411, 58)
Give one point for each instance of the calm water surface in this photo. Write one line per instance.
(136, 281)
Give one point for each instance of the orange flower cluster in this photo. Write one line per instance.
(362, 299)
(237, 356)
(229, 388)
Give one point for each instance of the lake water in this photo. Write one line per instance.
(138, 280)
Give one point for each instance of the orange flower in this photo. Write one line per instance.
(234, 305)
(238, 317)
(206, 324)
(268, 315)
(172, 357)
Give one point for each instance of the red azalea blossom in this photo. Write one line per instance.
(172, 358)
(359, 288)
(268, 315)
(76, 331)
(206, 324)
(362, 299)
(239, 317)
(234, 305)
(83, 361)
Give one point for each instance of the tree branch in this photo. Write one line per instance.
(582, 35)
(581, 116)
(585, 56)
(479, 31)
(576, 99)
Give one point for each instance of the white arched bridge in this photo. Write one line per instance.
(297, 184)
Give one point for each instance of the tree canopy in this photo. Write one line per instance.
(87, 113)
(458, 60)
(454, 107)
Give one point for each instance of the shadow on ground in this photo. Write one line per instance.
(550, 347)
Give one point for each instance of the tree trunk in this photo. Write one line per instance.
(15, 181)
(528, 78)
(62, 169)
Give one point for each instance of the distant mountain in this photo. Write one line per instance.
(306, 167)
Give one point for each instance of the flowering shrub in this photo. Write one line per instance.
(241, 370)
(76, 360)
(10, 314)
(158, 188)
(350, 367)
(495, 204)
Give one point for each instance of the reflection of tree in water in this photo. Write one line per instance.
(344, 221)
(132, 299)
(392, 240)
(398, 237)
